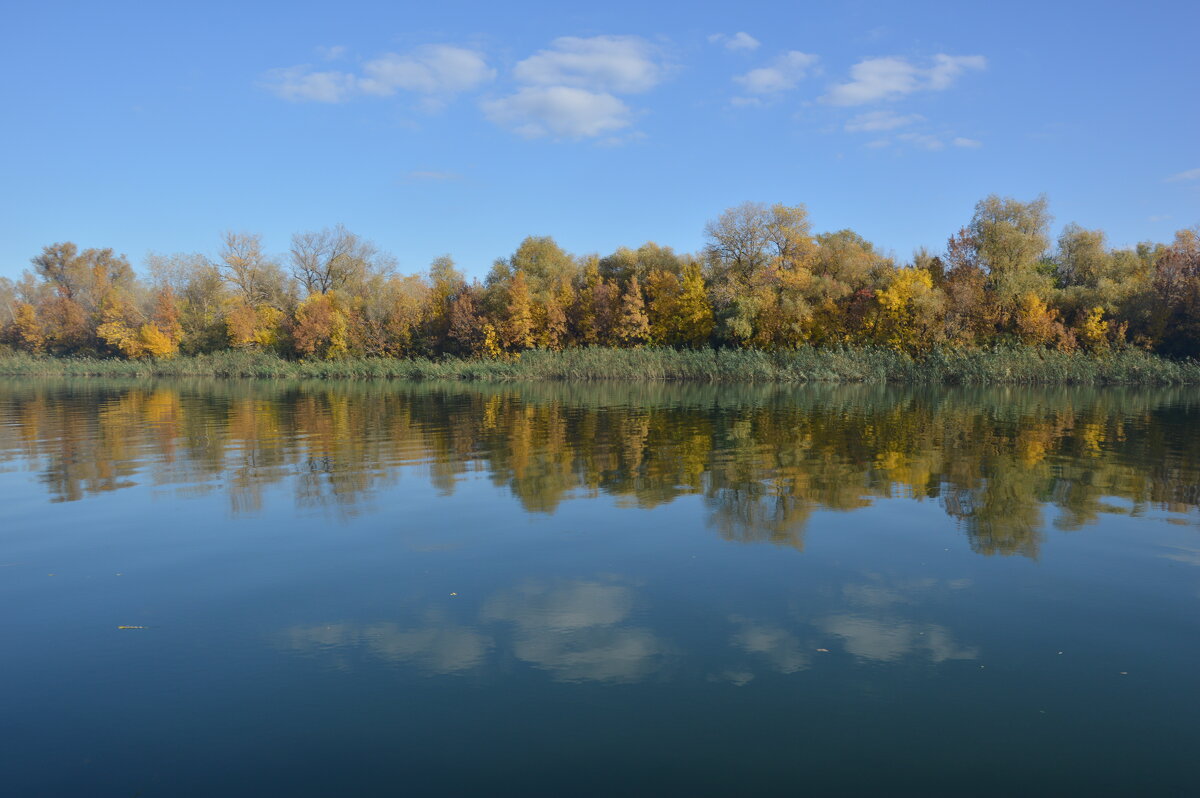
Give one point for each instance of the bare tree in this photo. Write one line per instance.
(334, 258)
(8, 302)
(245, 266)
(737, 239)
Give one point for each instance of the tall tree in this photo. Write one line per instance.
(518, 332)
(255, 278)
(633, 325)
(334, 259)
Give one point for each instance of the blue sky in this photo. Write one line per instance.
(463, 127)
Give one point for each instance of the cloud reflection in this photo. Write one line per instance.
(439, 648)
(574, 630)
(586, 630)
(778, 647)
(884, 640)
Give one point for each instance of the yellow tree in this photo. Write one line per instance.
(911, 312)
(27, 330)
(1093, 330)
(695, 311)
(518, 323)
(552, 318)
(1036, 323)
(119, 329)
(633, 326)
(662, 306)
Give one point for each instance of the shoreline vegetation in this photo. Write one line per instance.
(870, 364)
(765, 300)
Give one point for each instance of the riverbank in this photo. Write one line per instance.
(1013, 366)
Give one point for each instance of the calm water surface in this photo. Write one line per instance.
(394, 589)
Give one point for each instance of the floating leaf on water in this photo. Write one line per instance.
(131, 627)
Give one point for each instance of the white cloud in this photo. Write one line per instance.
(873, 121)
(782, 74)
(947, 68)
(570, 86)
(891, 77)
(738, 41)
(558, 111)
(1190, 174)
(971, 144)
(620, 64)
(299, 84)
(923, 140)
(432, 69)
(436, 71)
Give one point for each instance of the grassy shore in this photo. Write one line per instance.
(865, 364)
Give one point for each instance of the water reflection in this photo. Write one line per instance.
(438, 646)
(577, 630)
(874, 627)
(586, 630)
(1004, 463)
(780, 649)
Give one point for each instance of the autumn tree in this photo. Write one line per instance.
(1011, 238)
(592, 315)
(471, 334)
(518, 332)
(759, 260)
(847, 269)
(550, 318)
(677, 307)
(83, 277)
(120, 326)
(320, 328)
(250, 327)
(446, 282)
(546, 266)
(625, 263)
(201, 297)
(633, 325)
(911, 309)
(26, 331)
(1036, 324)
(389, 318)
(1175, 323)
(970, 313)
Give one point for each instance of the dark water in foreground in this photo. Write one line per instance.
(596, 590)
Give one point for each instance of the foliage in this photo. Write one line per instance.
(1008, 365)
(764, 281)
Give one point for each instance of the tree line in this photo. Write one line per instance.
(762, 280)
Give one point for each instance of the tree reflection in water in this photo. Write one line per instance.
(1003, 462)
